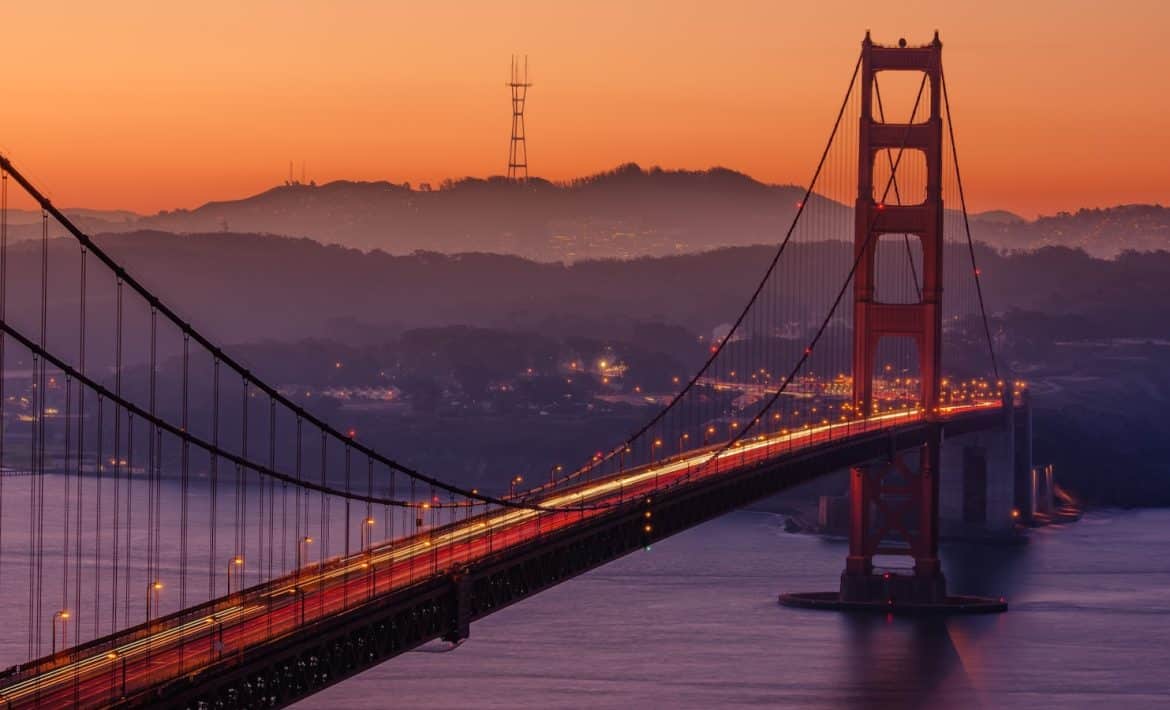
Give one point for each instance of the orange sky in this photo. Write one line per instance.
(148, 105)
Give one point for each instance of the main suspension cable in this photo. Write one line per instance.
(628, 443)
(808, 351)
(124, 277)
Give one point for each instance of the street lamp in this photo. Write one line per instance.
(113, 657)
(621, 475)
(235, 563)
(682, 439)
(419, 516)
(552, 473)
(63, 615)
(152, 593)
(367, 532)
(306, 540)
(512, 485)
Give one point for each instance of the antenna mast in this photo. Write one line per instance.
(518, 149)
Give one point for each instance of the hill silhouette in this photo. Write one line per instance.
(626, 212)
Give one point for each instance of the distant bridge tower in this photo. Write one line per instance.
(518, 149)
(895, 504)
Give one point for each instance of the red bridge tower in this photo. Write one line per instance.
(894, 503)
(894, 506)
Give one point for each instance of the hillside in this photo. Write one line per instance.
(1103, 233)
(1089, 334)
(624, 213)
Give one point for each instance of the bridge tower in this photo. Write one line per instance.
(894, 501)
(874, 320)
(894, 504)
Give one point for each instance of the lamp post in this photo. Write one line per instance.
(63, 616)
(621, 475)
(113, 657)
(367, 532)
(306, 540)
(512, 485)
(657, 444)
(237, 564)
(152, 592)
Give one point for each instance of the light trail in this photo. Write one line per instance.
(321, 589)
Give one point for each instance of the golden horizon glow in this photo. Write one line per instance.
(149, 106)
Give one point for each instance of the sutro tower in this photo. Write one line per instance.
(518, 150)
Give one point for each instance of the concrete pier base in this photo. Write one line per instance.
(832, 601)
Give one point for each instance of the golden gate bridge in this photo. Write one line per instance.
(318, 556)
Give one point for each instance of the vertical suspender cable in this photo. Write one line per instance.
(241, 494)
(43, 401)
(297, 501)
(184, 480)
(152, 540)
(323, 525)
(345, 585)
(97, 520)
(32, 511)
(272, 491)
(36, 407)
(66, 476)
(967, 227)
(214, 500)
(129, 467)
(81, 418)
(117, 455)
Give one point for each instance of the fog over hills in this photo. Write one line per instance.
(623, 213)
(1090, 334)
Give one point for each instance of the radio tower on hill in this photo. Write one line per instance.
(518, 150)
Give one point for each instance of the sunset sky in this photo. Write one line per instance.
(148, 105)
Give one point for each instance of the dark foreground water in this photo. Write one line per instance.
(694, 623)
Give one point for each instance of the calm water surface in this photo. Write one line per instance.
(694, 623)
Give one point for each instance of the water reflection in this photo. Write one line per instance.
(929, 662)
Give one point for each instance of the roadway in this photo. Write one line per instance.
(99, 673)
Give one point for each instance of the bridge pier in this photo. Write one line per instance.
(894, 512)
(892, 499)
(459, 628)
(988, 484)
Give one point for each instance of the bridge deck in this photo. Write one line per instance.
(434, 583)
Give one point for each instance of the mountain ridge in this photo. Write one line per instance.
(626, 212)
